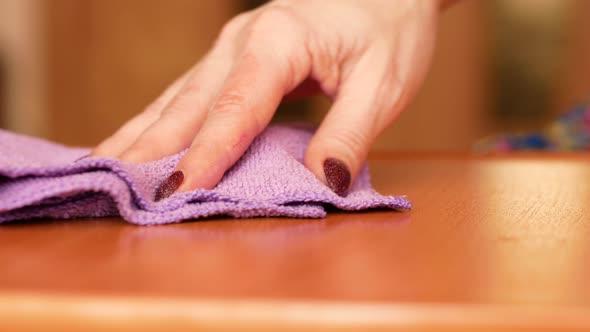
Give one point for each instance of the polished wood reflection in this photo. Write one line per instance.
(501, 232)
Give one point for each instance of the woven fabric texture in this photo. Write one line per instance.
(41, 179)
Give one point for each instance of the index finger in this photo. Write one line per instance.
(244, 107)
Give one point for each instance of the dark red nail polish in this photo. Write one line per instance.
(169, 186)
(337, 175)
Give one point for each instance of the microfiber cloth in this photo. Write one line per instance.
(41, 179)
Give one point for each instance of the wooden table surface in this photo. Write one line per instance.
(492, 243)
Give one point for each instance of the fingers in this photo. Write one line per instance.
(183, 115)
(366, 103)
(336, 152)
(268, 64)
(123, 138)
(167, 126)
(244, 107)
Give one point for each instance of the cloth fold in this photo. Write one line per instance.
(41, 179)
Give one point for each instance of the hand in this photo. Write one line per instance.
(369, 56)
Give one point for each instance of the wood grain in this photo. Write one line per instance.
(493, 242)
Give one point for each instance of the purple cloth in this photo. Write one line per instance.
(40, 179)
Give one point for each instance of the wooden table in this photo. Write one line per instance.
(492, 243)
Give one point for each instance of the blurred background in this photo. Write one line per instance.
(74, 70)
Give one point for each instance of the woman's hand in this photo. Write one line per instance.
(369, 56)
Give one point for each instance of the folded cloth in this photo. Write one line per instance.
(40, 179)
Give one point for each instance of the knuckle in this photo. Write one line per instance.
(352, 141)
(230, 103)
(176, 106)
(233, 108)
(234, 26)
(191, 88)
(272, 17)
(277, 25)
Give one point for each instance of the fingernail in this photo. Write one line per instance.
(337, 175)
(169, 186)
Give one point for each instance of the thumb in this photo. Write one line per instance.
(365, 106)
(337, 151)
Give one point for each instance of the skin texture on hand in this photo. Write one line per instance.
(369, 56)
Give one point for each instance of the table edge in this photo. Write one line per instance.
(141, 313)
